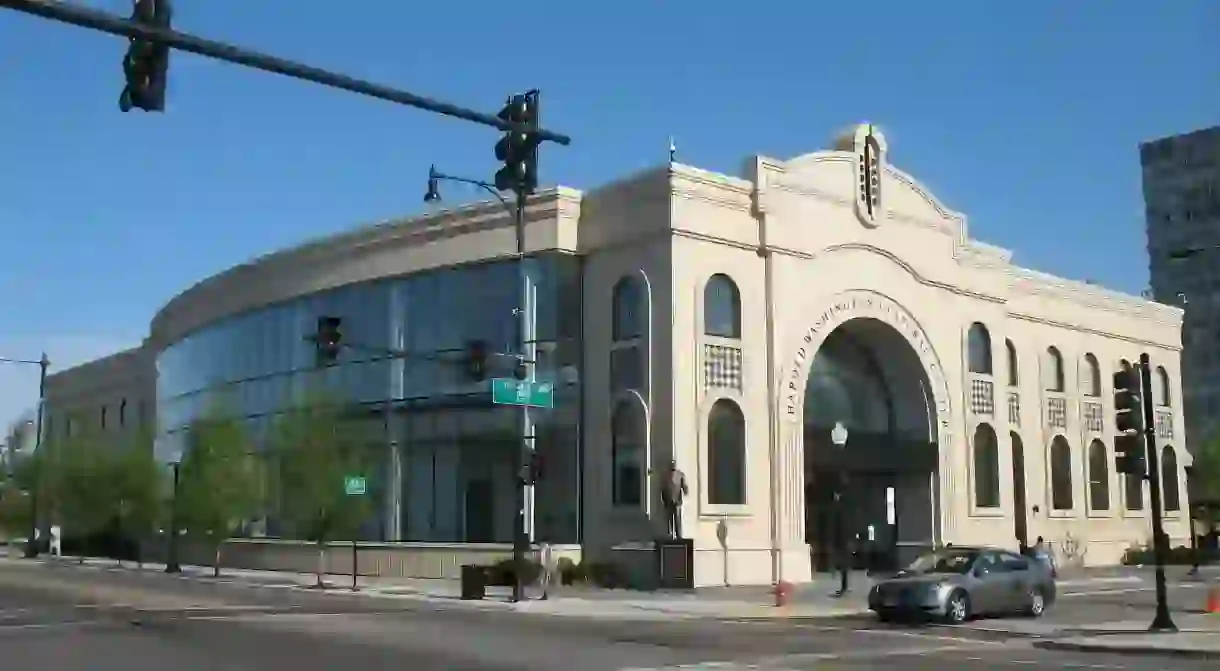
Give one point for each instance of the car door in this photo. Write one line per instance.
(1019, 577)
(988, 584)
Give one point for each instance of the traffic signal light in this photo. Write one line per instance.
(146, 65)
(519, 151)
(476, 360)
(1128, 404)
(328, 341)
(1129, 454)
(1129, 420)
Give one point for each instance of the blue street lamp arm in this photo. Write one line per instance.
(435, 176)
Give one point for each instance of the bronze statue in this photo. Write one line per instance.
(673, 490)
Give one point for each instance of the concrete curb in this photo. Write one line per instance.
(1143, 650)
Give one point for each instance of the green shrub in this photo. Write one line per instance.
(570, 573)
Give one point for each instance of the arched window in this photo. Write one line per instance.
(726, 454)
(628, 310)
(1162, 379)
(627, 450)
(1099, 477)
(123, 412)
(1090, 381)
(978, 349)
(1061, 474)
(1014, 375)
(721, 308)
(1054, 369)
(986, 467)
(1169, 480)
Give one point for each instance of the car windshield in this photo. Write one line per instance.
(958, 561)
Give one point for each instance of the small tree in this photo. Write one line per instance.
(218, 484)
(316, 448)
(14, 512)
(1205, 476)
(15, 501)
(136, 478)
(79, 475)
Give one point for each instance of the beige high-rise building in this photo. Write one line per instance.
(817, 344)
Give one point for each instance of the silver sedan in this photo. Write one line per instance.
(957, 583)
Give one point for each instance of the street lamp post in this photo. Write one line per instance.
(838, 436)
(43, 363)
(525, 313)
(171, 554)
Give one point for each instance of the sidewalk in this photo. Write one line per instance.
(1198, 636)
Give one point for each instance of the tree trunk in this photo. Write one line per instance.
(216, 560)
(321, 569)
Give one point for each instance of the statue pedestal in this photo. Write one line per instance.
(675, 563)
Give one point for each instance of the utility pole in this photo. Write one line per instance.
(32, 545)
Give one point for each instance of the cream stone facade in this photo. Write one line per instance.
(730, 324)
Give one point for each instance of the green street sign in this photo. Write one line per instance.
(508, 391)
(355, 485)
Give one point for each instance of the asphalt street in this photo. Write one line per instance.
(67, 619)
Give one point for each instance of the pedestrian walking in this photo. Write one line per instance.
(547, 563)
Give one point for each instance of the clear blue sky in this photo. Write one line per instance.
(1025, 115)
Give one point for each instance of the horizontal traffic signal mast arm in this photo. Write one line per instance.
(108, 23)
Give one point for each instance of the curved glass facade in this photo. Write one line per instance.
(451, 474)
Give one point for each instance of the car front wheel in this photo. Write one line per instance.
(957, 608)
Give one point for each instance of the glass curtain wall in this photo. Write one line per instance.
(450, 456)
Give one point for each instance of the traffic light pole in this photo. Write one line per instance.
(1162, 621)
(84, 17)
(523, 529)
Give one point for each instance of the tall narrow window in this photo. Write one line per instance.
(1090, 382)
(1014, 376)
(721, 308)
(1162, 380)
(726, 454)
(1061, 474)
(1054, 369)
(986, 467)
(1099, 477)
(627, 453)
(627, 310)
(978, 349)
(123, 412)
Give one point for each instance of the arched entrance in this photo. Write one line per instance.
(868, 365)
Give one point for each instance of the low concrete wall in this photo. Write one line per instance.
(383, 560)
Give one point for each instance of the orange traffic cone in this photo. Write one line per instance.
(1213, 600)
